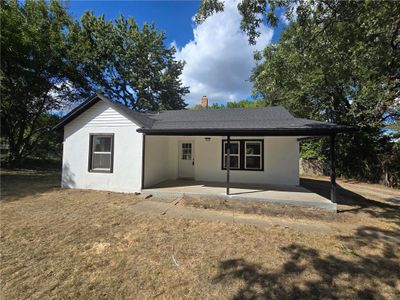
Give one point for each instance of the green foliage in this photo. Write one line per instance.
(207, 8)
(49, 61)
(37, 76)
(337, 61)
(128, 64)
(235, 104)
(254, 13)
(310, 151)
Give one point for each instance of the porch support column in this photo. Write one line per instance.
(228, 162)
(333, 166)
(143, 157)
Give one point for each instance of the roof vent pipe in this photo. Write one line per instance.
(204, 102)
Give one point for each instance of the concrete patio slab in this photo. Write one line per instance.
(172, 210)
(284, 195)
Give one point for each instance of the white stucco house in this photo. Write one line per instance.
(109, 147)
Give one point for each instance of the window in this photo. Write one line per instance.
(253, 155)
(234, 155)
(101, 153)
(245, 155)
(186, 151)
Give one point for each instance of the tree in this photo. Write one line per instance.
(254, 12)
(340, 64)
(337, 61)
(37, 76)
(128, 64)
(235, 104)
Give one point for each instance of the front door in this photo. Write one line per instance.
(186, 159)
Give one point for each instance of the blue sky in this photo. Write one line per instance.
(173, 17)
(217, 55)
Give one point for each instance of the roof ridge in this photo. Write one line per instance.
(219, 109)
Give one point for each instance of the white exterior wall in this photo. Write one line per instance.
(156, 160)
(127, 169)
(281, 156)
(281, 161)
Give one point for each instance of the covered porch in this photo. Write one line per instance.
(248, 154)
(275, 194)
(196, 166)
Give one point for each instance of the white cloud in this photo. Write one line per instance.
(219, 60)
(284, 19)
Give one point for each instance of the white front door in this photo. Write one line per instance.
(186, 159)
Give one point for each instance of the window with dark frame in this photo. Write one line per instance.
(245, 155)
(101, 153)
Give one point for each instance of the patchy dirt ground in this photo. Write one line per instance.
(58, 243)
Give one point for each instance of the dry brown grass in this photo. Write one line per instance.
(84, 244)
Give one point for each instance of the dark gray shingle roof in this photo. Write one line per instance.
(236, 118)
(250, 121)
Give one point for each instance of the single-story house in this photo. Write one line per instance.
(109, 147)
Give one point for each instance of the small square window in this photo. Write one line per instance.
(102, 143)
(234, 162)
(253, 148)
(253, 162)
(234, 148)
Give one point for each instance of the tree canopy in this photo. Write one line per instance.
(49, 61)
(339, 64)
(337, 61)
(37, 76)
(128, 64)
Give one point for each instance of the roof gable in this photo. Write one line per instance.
(138, 118)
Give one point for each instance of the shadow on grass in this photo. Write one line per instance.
(357, 202)
(307, 274)
(16, 184)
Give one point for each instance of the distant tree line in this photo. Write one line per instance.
(235, 104)
(49, 61)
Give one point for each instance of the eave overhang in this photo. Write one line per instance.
(250, 132)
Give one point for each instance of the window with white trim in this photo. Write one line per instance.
(234, 155)
(101, 153)
(253, 159)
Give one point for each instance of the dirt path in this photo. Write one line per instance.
(372, 191)
(174, 210)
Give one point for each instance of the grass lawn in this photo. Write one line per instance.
(84, 244)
